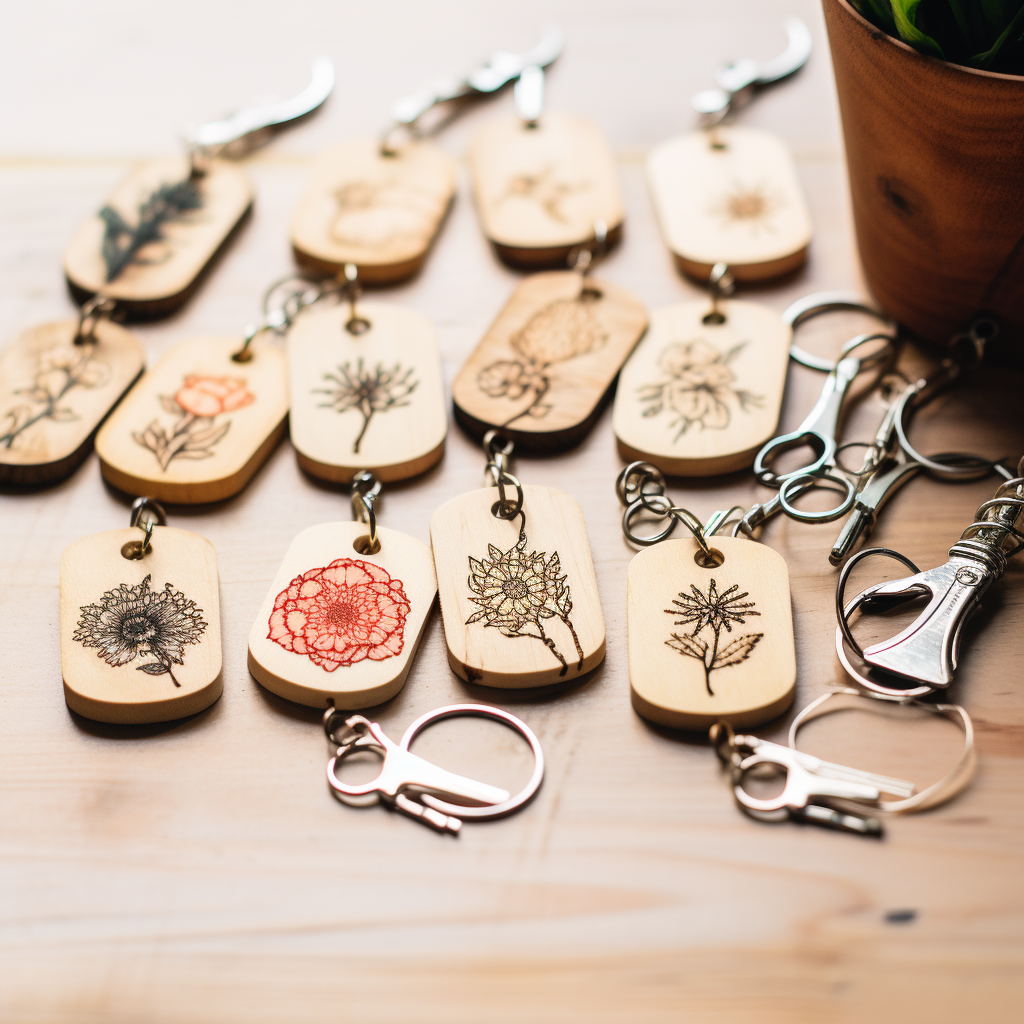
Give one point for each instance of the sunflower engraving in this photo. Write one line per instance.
(136, 622)
(714, 612)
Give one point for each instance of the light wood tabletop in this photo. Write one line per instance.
(201, 872)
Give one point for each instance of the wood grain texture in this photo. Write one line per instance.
(117, 614)
(699, 399)
(361, 627)
(54, 395)
(544, 369)
(540, 189)
(380, 212)
(730, 196)
(373, 400)
(163, 274)
(198, 425)
(710, 643)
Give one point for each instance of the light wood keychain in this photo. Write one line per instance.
(58, 382)
(542, 180)
(544, 369)
(702, 392)
(709, 620)
(162, 226)
(379, 203)
(366, 385)
(140, 622)
(343, 618)
(728, 194)
(200, 423)
(516, 581)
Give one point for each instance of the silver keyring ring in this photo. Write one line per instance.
(870, 684)
(826, 302)
(525, 795)
(826, 515)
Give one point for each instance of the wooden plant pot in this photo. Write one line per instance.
(936, 159)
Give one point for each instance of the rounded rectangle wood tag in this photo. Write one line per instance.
(730, 195)
(710, 644)
(541, 188)
(54, 394)
(140, 638)
(542, 371)
(341, 625)
(518, 598)
(157, 233)
(379, 212)
(696, 398)
(198, 425)
(373, 400)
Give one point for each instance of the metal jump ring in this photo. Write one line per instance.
(814, 305)
(91, 313)
(158, 517)
(365, 490)
(503, 508)
(660, 505)
(627, 491)
(826, 516)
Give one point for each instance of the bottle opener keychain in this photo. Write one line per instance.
(379, 203)
(366, 386)
(516, 581)
(58, 382)
(731, 195)
(343, 618)
(140, 622)
(161, 227)
(543, 179)
(546, 366)
(417, 787)
(703, 390)
(710, 629)
(200, 423)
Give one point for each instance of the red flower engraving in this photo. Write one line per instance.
(341, 614)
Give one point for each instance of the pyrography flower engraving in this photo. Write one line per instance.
(699, 389)
(58, 370)
(380, 213)
(562, 330)
(368, 391)
(136, 622)
(516, 592)
(542, 188)
(196, 404)
(750, 206)
(715, 612)
(341, 614)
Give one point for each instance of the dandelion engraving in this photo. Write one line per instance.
(715, 612)
(132, 622)
(751, 206)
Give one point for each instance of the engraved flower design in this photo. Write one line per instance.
(341, 614)
(542, 188)
(749, 205)
(136, 622)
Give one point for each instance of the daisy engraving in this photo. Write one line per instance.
(715, 612)
(136, 622)
(699, 389)
(341, 614)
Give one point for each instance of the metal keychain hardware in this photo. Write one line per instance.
(419, 788)
(926, 651)
(146, 514)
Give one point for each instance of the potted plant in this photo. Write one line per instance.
(931, 95)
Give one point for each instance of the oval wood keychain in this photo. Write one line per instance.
(728, 194)
(709, 619)
(516, 582)
(542, 180)
(140, 622)
(545, 367)
(366, 390)
(200, 423)
(343, 618)
(158, 231)
(702, 391)
(58, 382)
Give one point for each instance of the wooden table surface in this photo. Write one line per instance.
(200, 872)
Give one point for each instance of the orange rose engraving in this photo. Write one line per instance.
(210, 396)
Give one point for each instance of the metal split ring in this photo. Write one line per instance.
(89, 317)
(366, 489)
(136, 549)
(828, 302)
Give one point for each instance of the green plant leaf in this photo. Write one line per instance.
(877, 11)
(988, 57)
(904, 13)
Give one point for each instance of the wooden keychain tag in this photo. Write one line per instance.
(140, 622)
(702, 392)
(707, 642)
(545, 367)
(55, 391)
(343, 618)
(517, 586)
(199, 424)
(366, 392)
